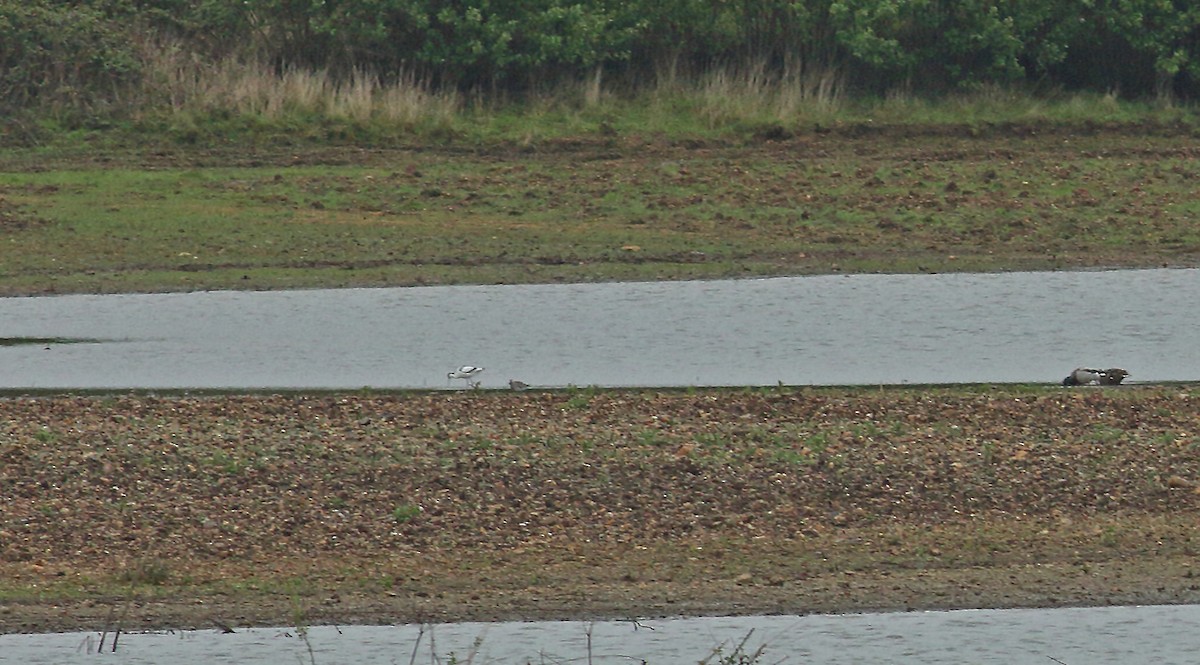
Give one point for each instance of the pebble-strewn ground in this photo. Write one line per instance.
(175, 510)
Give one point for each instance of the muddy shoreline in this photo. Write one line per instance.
(1152, 582)
(175, 512)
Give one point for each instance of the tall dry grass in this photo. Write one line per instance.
(733, 97)
(182, 82)
(799, 93)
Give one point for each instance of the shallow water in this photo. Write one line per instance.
(1076, 636)
(853, 329)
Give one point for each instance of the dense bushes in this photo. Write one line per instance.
(84, 53)
(59, 53)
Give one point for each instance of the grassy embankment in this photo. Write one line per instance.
(301, 183)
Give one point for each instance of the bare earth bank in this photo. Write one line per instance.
(175, 511)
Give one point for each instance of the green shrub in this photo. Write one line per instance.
(63, 56)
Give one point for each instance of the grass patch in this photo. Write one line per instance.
(257, 179)
(405, 513)
(640, 209)
(145, 572)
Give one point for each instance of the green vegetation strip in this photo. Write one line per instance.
(886, 201)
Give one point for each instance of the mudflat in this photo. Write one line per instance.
(149, 511)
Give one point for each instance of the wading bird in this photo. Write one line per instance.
(466, 373)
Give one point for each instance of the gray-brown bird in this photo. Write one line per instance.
(1085, 376)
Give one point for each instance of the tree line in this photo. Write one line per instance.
(89, 52)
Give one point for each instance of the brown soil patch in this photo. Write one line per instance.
(174, 511)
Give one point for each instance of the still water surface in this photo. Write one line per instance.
(851, 329)
(1162, 635)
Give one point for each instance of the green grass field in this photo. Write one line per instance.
(638, 207)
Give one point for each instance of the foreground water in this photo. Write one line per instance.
(1075, 636)
(855, 329)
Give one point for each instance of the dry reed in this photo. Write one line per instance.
(184, 83)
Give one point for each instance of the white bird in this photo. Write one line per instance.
(466, 373)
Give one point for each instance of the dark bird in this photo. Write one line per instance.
(1113, 376)
(1085, 376)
